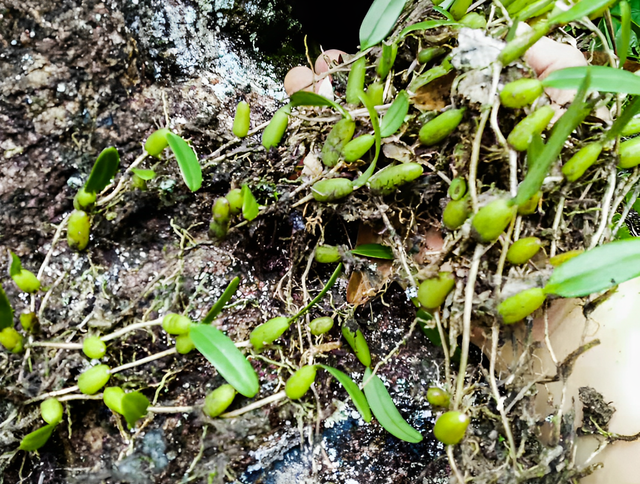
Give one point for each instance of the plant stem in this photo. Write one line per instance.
(118, 189)
(133, 364)
(260, 403)
(604, 213)
(328, 285)
(131, 327)
(466, 322)
(171, 409)
(475, 158)
(495, 330)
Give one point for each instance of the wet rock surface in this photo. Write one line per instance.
(76, 77)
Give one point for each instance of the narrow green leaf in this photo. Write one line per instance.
(222, 353)
(394, 118)
(144, 174)
(6, 311)
(16, 265)
(535, 149)
(430, 75)
(104, 169)
(187, 161)
(306, 98)
(373, 115)
(603, 78)
(332, 280)
(358, 398)
(429, 24)
(222, 300)
(379, 21)
(623, 39)
(569, 121)
(619, 124)
(377, 251)
(385, 410)
(37, 438)
(596, 270)
(581, 9)
(134, 407)
(250, 208)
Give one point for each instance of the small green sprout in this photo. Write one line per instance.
(321, 325)
(176, 323)
(352, 333)
(24, 279)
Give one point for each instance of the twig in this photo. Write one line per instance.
(547, 339)
(495, 330)
(114, 193)
(556, 225)
(260, 403)
(604, 214)
(453, 465)
(475, 158)
(57, 393)
(131, 327)
(445, 346)
(53, 344)
(80, 396)
(627, 209)
(466, 321)
(399, 248)
(171, 409)
(133, 364)
(54, 241)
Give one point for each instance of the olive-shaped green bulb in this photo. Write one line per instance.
(26, 281)
(523, 249)
(216, 402)
(84, 200)
(437, 397)
(326, 254)
(321, 325)
(355, 338)
(51, 411)
(93, 379)
(176, 323)
(337, 140)
(112, 398)
(458, 188)
(520, 93)
(235, 199)
(157, 141)
(433, 292)
(530, 206)
(355, 81)
(29, 321)
(331, 190)
(535, 123)
(78, 230)
(356, 148)
(94, 347)
(268, 332)
(184, 344)
(581, 161)
(491, 220)
(440, 127)
(11, 340)
(242, 120)
(456, 213)
(389, 179)
(451, 427)
(273, 133)
(473, 20)
(518, 307)
(300, 382)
